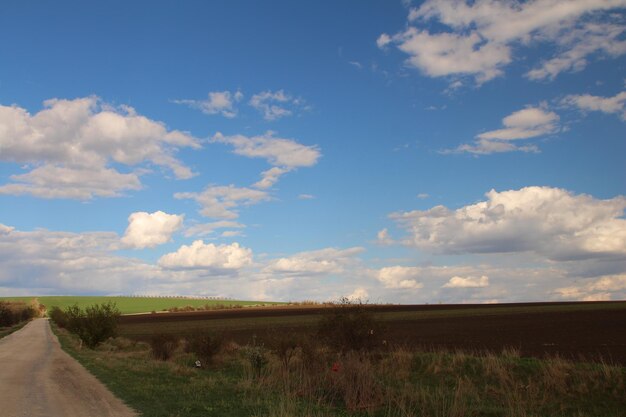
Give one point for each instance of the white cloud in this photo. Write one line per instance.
(359, 294)
(400, 277)
(275, 104)
(221, 202)
(47, 262)
(306, 197)
(479, 36)
(383, 40)
(598, 289)
(578, 46)
(205, 229)
(218, 102)
(51, 181)
(231, 233)
(147, 230)
(211, 257)
(446, 54)
(551, 222)
(270, 177)
(609, 105)
(286, 153)
(5, 230)
(527, 123)
(319, 262)
(468, 282)
(79, 139)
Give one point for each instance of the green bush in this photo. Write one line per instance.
(349, 326)
(94, 325)
(58, 316)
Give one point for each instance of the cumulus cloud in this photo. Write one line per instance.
(284, 155)
(400, 277)
(221, 202)
(319, 262)
(609, 105)
(478, 38)
(147, 230)
(359, 294)
(444, 54)
(275, 104)
(527, 123)
(215, 258)
(218, 102)
(550, 222)
(5, 230)
(48, 262)
(597, 289)
(50, 181)
(73, 144)
(468, 282)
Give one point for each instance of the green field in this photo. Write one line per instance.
(130, 305)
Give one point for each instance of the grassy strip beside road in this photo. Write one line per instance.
(131, 305)
(160, 389)
(5, 331)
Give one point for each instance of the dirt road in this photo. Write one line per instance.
(38, 379)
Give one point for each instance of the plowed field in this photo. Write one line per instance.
(580, 331)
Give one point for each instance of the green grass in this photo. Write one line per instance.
(163, 389)
(385, 384)
(130, 305)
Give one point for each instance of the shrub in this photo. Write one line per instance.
(94, 325)
(204, 345)
(349, 326)
(100, 323)
(256, 356)
(14, 312)
(163, 345)
(7, 317)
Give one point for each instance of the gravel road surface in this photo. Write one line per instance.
(38, 379)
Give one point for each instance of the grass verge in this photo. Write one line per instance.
(5, 331)
(305, 378)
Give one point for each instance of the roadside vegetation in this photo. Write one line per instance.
(16, 314)
(93, 325)
(343, 366)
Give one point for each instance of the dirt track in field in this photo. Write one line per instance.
(38, 379)
(580, 331)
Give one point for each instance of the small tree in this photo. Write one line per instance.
(349, 326)
(100, 323)
(94, 325)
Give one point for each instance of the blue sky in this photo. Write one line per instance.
(414, 152)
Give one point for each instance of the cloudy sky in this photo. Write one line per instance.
(397, 151)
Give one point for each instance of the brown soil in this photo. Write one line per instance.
(580, 331)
